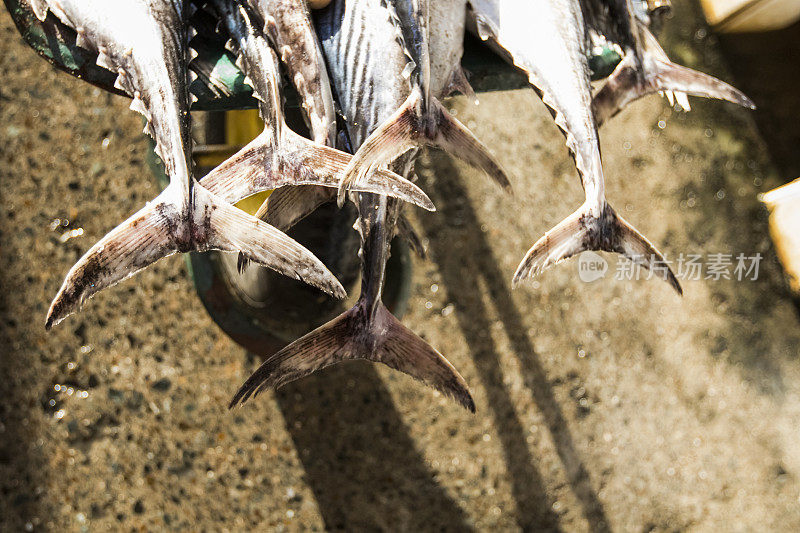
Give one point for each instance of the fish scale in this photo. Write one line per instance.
(387, 62)
(359, 44)
(146, 42)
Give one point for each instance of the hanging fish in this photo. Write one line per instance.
(365, 61)
(145, 42)
(548, 40)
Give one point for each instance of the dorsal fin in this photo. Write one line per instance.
(411, 65)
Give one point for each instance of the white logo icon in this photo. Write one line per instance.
(591, 267)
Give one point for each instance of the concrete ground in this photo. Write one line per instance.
(610, 406)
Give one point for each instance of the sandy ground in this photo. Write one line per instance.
(612, 405)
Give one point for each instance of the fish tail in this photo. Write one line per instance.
(287, 206)
(411, 126)
(222, 226)
(165, 226)
(668, 76)
(300, 162)
(456, 139)
(628, 83)
(352, 335)
(405, 229)
(584, 230)
(458, 82)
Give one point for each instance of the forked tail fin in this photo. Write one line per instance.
(302, 162)
(287, 206)
(582, 231)
(411, 126)
(164, 227)
(353, 335)
(628, 83)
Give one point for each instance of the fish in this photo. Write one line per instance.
(146, 43)
(257, 59)
(287, 206)
(364, 57)
(447, 27)
(421, 119)
(645, 67)
(288, 24)
(548, 40)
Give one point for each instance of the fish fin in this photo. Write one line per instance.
(39, 8)
(160, 229)
(684, 81)
(583, 230)
(459, 83)
(354, 335)
(287, 206)
(229, 229)
(394, 137)
(141, 240)
(405, 229)
(628, 83)
(303, 162)
(455, 138)
(409, 127)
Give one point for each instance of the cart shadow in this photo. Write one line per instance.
(359, 460)
(464, 268)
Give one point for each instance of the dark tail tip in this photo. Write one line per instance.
(582, 231)
(353, 335)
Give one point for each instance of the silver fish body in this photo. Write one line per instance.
(146, 43)
(364, 58)
(548, 40)
(143, 42)
(288, 23)
(447, 23)
(421, 120)
(296, 160)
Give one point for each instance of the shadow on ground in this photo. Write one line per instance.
(762, 68)
(464, 269)
(364, 470)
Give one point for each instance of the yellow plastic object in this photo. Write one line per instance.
(733, 16)
(241, 127)
(784, 226)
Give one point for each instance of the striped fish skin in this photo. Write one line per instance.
(421, 120)
(146, 43)
(365, 58)
(548, 40)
